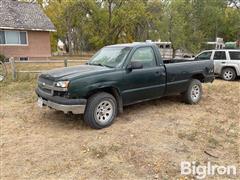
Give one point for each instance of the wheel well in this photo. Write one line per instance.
(229, 67)
(200, 77)
(113, 91)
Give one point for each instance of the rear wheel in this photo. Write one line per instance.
(228, 74)
(194, 92)
(101, 110)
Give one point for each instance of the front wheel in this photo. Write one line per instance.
(101, 110)
(194, 92)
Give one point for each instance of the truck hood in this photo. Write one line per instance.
(73, 72)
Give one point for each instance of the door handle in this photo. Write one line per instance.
(158, 73)
(223, 62)
(163, 74)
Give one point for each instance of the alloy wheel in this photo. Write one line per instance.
(104, 112)
(228, 75)
(195, 93)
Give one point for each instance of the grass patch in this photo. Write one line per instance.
(213, 143)
(188, 136)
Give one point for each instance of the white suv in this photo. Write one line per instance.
(226, 62)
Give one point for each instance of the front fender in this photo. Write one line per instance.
(101, 85)
(82, 91)
(81, 87)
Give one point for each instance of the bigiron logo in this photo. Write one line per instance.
(202, 171)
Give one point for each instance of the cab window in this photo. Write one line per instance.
(219, 55)
(204, 56)
(145, 56)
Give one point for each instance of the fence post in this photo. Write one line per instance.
(13, 67)
(65, 62)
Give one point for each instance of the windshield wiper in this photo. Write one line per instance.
(99, 64)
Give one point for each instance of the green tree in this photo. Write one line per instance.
(90, 24)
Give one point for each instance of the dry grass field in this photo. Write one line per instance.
(147, 141)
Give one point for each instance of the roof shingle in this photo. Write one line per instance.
(23, 16)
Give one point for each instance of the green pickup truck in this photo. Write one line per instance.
(120, 75)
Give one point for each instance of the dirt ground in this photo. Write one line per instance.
(147, 141)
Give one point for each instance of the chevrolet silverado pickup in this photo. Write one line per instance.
(120, 75)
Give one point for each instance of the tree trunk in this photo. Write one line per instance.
(109, 20)
(109, 13)
(70, 43)
(174, 52)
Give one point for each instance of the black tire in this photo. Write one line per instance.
(228, 74)
(194, 92)
(97, 114)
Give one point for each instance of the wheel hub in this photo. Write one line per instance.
(103, 112)
(228, 75)
(195, 92)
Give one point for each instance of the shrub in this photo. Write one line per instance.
(2, 57)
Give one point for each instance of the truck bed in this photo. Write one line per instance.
(180, 71)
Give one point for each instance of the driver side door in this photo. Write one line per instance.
(145, 83)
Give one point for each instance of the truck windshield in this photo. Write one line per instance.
(110, 56)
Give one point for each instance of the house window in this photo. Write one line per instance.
(2, 37)
(23, 37)
(13, 37)
(23, 58)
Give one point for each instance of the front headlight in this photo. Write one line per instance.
(62, 84)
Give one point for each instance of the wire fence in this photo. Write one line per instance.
(15, 70)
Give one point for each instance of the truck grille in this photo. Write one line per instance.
(46, 85)
(47, 91)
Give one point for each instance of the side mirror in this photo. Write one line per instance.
(135, 65)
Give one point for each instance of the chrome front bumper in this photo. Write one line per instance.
(75, 109)
(76, 106)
